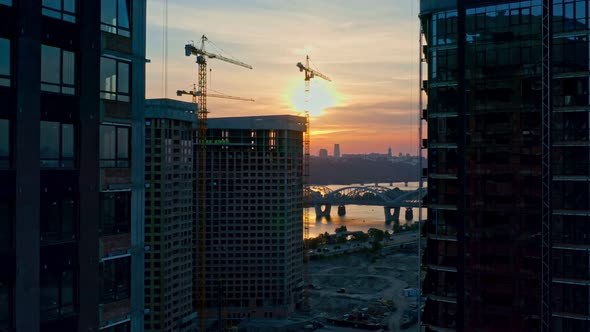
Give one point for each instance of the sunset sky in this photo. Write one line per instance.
(368, 48)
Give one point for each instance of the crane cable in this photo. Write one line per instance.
(165, 50)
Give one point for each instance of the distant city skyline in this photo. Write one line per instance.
(342, 152)
(369, 51)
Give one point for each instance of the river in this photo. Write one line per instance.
(360, 217)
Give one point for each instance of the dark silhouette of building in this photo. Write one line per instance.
(71, 165)
(254, 247)
(508, 234)
(169, 215)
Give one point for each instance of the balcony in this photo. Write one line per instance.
(114, 245)
(115, 178)
(114, 313)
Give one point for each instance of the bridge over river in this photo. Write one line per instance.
(392, 200)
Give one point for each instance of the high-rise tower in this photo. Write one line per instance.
(508, 165)
(254, 216)
(336, 151)
(71, 165)
(169, 215)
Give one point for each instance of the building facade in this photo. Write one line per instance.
(508, 164)
(71, 201)
(169, 215)
(254, 235)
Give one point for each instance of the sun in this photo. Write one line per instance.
(322, 95)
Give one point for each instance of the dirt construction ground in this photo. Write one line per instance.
(366, 279)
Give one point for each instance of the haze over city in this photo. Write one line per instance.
(369, 51)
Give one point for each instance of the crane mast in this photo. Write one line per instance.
(309, 74)
(200, 224)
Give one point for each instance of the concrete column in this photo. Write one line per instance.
(27, 48)
(89, 117)
(138, 169)
(389, 217)
(409, 214)
(325, 212)
(341, 210)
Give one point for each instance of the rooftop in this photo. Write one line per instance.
(288, 122)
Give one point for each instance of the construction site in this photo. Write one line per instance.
(369, 290)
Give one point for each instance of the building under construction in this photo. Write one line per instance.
(508, 229)
(169, 205)
(254, 235)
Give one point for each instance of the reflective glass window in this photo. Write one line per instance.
(570, 54)
(123, 145)
(115, 17)
(60, 9)
(115, 213)
(123, 77)
(57, 70)
(5, 57)
(67, 141)
(107, 143)
(115, 277)
(57, 147)
(570, 15)
(444, 28)
(114, 79)
(114, 146)
(49, 140)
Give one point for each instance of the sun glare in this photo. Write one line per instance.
(322, 95)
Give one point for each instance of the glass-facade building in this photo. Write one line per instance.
(487, 166)
(72, 80)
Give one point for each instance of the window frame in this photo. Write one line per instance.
(120, 221)
(64, 88)
(117, 286)
(61, 13)
(62, 162)
(6, 79)
(117, 94)
(115, 162)
(116, 29)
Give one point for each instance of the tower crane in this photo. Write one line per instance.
(200, 96)
(309, 74)
(196, 94)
